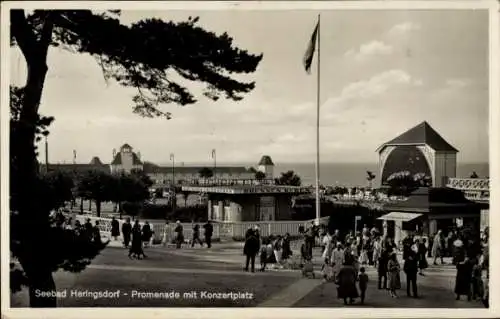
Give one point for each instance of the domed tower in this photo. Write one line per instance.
(126, 160)
(266, 166)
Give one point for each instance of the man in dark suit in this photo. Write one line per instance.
(209, 230)
(411, 269)
(251, 249)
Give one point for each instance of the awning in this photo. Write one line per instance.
(399, 216)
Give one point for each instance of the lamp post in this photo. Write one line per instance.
(172, 158)
(214, 157)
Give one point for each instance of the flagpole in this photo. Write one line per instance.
(318, 203)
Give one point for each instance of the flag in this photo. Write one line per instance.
(171, 156)
(213, 153)
(311, 47)
(74, 154)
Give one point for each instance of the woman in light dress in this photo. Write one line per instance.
(337, 259)
(363, 258)
(354, 246)
(327, 244)
(377, 250)
(393, 272)
(278, 251)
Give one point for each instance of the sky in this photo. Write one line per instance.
(382, 72)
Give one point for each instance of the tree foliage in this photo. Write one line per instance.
(58, 187)
(149, 55)
(206, 172)
(97, 186)
(15, 102)
(101, 187)
(288, 178)
(146, 55)
(260, 175)
(403, 183)
(338, 190)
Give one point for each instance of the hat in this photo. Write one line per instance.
(256, 227)
(178, 222)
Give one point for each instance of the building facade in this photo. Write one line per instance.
(420, 150)
(241, 203)
(126, 161)
(448, 201)
(477, 190)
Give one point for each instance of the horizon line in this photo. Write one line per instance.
(243, 163)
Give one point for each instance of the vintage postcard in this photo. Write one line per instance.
(262, 159)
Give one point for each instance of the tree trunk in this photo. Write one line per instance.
(81, 205)
(42, 282)
(98, 207)
(90, 205)
(32, 212)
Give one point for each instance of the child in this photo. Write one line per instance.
(356, 264)
(382, 270)
(263, 256)
(303, 254)
(270, 252)
(363, 283)
(327, 270)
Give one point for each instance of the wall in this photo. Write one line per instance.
(445, 166)
(267, 169)
(249, 210)
(267, 208)
(283, 208)
(246, 208)
(485, 218)
(127, 161)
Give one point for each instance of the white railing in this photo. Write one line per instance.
(223, 230)
(475, 189)
(471, 184)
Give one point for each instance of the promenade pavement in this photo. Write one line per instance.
(187, 272)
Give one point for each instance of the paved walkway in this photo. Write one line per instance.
(292, 294)
(221, 268)
(189, 270)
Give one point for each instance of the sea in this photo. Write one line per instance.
(349, 174)
(354, 174)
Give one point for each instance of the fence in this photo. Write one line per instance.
(222, 231)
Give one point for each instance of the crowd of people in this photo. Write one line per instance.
(345, 258)
(86, 230)
(345, 261)
(178, 235)
(273, 251)
(143, 237)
